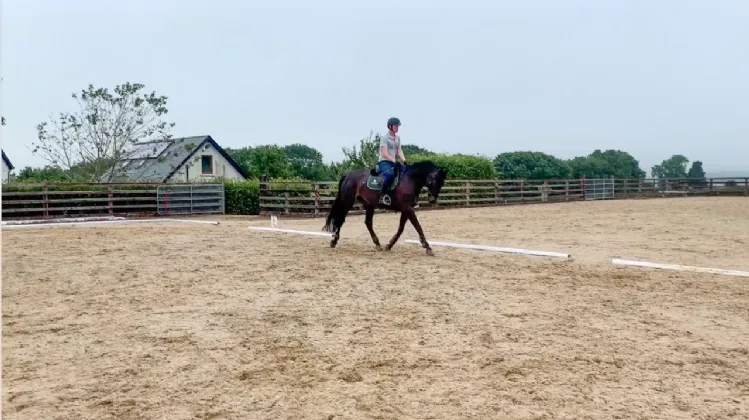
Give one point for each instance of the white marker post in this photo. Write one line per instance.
(273, 220)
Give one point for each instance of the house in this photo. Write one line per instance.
(7, 167)
(186, 159)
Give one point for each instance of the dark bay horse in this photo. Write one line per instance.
(363, 185)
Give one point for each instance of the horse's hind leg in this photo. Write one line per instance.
(368, 221)
(347, 202)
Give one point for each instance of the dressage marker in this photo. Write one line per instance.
(677, 267)
(445, 244)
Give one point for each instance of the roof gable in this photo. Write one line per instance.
(160, 160)
(7, 161)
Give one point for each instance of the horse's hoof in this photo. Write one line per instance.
(430, 252)
(332, 244)
(388, 247)
(378, 247)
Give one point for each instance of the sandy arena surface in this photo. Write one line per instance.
(182, 321)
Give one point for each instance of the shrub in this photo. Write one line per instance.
(461, 166)
(242, 197)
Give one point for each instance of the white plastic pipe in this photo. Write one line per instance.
(494, 249)
(299, 232)
(60, 220)
(647, 264)
(105, 222)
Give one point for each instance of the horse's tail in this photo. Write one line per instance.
(337, 211)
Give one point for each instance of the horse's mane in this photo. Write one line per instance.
(423, 167)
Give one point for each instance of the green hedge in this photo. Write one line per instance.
(242, 197)
(461, 166)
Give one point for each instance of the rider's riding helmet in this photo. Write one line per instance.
(393, 121)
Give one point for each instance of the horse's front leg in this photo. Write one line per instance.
(397, 235)
(411, 214)
(368, 221)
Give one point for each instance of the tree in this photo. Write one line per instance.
(365, 156)
(696, 175)
(606, 164)
(412, 149)
(673, 167)
(531, 165)
(696, 171)
(306, 162)
(103, 132)
(46, 174)
(266, 160)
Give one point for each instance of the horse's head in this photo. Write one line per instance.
(433, 177)
(435, 181)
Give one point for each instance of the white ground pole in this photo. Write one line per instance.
(494, 248)
(436, 243)
(298, 232)
(678, 267)
(60, 220)
(105, 222)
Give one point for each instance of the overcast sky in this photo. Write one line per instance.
(652, 77)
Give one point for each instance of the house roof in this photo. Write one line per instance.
(159, 160)
(7, 161)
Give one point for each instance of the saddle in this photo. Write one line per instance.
(375, 180)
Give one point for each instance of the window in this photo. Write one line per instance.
(206, 164)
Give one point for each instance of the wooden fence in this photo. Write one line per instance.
(64, 199)
(315, 198)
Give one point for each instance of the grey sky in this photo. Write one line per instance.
(650, 77)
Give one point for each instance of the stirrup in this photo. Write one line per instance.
(385, 199)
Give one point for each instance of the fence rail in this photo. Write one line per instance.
(315, 198)
(27, 201)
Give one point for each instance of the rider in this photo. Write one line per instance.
(390, 145)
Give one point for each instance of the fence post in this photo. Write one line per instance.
(468, 194)
(746, 186)
(711, 185)
(316, 186)
(262, 192)
(46, 200)
(522, 190)
(496, 192)
(111, 203)
(286, 202)
(545, 192)
(567, 189)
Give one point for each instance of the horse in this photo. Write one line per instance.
(365, 186)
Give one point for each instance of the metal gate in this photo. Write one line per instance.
(190, 199)
(599, 189)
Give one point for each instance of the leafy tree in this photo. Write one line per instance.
(306, 162)
(46, 174)
(104, 130)
(412, 149)
(531, 165)
(673, 167)
(606, 164)
(461, 166)
(363, 157)
(696, 175)
(696, 171)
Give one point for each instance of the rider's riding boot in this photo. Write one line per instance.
(385, 197)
